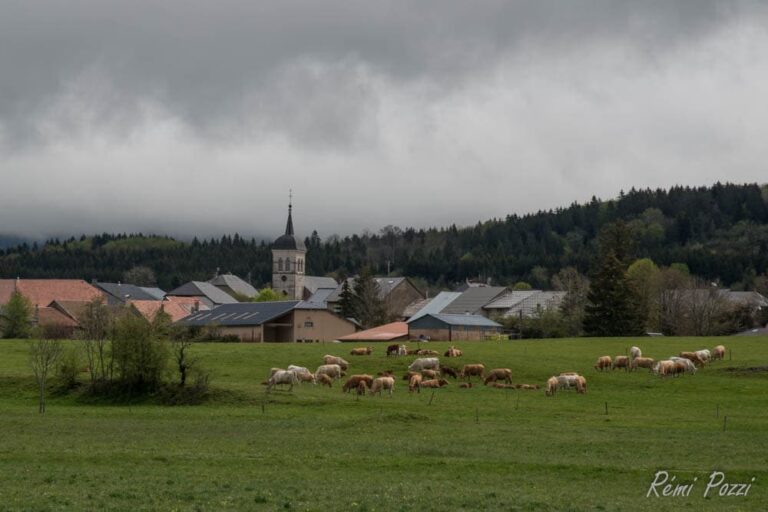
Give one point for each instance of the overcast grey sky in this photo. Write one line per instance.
(192, 117)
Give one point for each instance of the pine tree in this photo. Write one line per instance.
(347, 301)
(16, 317)
(612, 303)
(369, 308)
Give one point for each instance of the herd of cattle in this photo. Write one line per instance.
(427, 372)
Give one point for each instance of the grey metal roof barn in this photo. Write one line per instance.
(119, 293)
(456, 320)
(205, 290)
(473, 299)
(436, 304)
(245, 313)
(230, 284)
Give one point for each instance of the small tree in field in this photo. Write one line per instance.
(43, 356)
(16, 317)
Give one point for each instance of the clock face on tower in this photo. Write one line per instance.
(283, 278)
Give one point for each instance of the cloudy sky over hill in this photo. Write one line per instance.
(194, 117)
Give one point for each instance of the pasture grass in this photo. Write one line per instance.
(471, 449)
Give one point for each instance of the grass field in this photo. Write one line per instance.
(476, 449)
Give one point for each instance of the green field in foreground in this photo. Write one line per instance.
(319, 449)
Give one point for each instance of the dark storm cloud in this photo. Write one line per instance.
(196, 117)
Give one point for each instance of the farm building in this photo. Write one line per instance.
(525, 303)
(472, 300)
(206, 293)
(433, 305)
(446, 327)
(41, 292)
(284, 321)
(395, 331)
(234, 286)
(120, 293)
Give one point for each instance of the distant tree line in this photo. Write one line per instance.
(720, 233)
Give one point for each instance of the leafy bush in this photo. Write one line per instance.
(140, 357)
(68, 368)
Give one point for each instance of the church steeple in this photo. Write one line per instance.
(289, 224)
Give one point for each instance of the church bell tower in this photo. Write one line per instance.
(288, 257)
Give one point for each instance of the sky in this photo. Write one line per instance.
(190, 117)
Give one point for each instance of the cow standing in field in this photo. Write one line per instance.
(333, 371)
(692, 356)
(324, 380)
(282, 377)
(354, 381)
(641, 362)
(603, 362)
(471, 370)
(634, 353)
(425, 363)
(414, 384)
(361, 351)
(327, 359)
(445, 370)
(498, 374)
(718, 352)
(621, 362)
(381, 383)
(394, 350)
(434, 383)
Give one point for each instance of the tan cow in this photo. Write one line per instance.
(380, 383)
(496, 374)
(621, 362)
(430, 374)
(718, 352)
(415, 383)
(327, 359)
(324, 380)
(470, 370)
(354, 381)
(361, 351)
(603, 362)
(434, 383)
(551, 386)
(453, 352)
(641, 362)
(362, 388)
(692, 356)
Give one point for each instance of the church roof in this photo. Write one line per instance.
(288, 241)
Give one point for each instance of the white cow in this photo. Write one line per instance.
(425, 363)
(334, 371)
(402, 350)
(380, 383)
(634, 353)
(705, 355)
(282, 377)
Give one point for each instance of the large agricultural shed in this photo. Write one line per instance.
(452, 327)
(282, 321)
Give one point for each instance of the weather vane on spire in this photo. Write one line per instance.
(290, 197)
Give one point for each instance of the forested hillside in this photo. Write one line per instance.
(720, 232)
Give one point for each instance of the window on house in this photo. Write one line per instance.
(309, 323)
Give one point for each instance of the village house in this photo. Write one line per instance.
(447, 327)
(397, 294)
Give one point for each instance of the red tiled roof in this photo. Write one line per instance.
(386, 332)
(41, 292)
(149, 309)
(52, 316)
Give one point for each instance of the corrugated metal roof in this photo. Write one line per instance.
(473, 299)
(467, 320)
(203, 289)
(314, 283)
(157, 293)
(437, 304)
(245, 313)
(510, 299)
(539, 301)
(120, 292)
(386, 332)
(318, 300)
(235, 284)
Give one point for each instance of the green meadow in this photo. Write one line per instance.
(452, 449)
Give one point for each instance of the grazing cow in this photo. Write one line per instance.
(571, 380)
(465, 385)
(473, 369)
(324, 380)
(496, 374)
(425, 363)
(581, 385)
(361, 351)
(664, 368)
(621, 362)
(393, 350)
(718, 352)
(434, 383)
(430, 374)
(415, 383)
(687, 364)
(362, 388)
(306, 377)
(298, 370)
(282, 377)
(552, 383)
(402, 351)
(692, 356)
(705, 355)
(408, 375)
(453, 352)
(641, 362)
(635, 352)
(380, 383)
(336, 360)
(445, 370)
(334, 371)
(273, 371)
(354, 381)
(603, 362)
